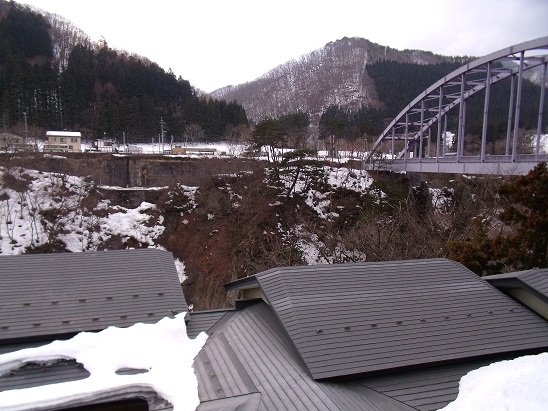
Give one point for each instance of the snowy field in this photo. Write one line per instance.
(237, 149)
(222, 149)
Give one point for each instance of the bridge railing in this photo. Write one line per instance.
(489, 158)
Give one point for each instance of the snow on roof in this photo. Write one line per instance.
(162, 348)
(64, 133)
(519, 384)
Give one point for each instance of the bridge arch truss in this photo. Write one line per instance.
(423, 122)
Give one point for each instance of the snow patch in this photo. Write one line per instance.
(180, 267)
(162, 348)
(519, 384)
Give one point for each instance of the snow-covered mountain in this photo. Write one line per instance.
(334, 74)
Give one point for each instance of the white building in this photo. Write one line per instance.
(64, 141)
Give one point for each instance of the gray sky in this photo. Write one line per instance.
(214, 43)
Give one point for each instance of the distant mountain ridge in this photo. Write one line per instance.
(333, 75)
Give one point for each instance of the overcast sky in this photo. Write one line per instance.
(214, 43)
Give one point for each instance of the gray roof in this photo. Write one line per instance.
(534, 280)
(425, 389)
(45, 295)
(39, 374)
(203, 321)
(353, 320)
(248, 363)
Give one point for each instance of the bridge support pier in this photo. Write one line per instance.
(414, 178)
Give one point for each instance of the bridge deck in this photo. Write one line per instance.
(495, 164)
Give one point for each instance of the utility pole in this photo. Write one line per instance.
(162, 138)
(26, 131)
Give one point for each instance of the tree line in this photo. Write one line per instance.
(104, 92)
(99, 91)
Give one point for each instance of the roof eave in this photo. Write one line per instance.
(242, 283)
(516, 282)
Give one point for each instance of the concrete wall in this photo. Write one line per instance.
(135, 170)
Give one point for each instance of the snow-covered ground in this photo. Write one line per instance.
(543, 143)
(223, 149)
(237, 149)
(37, 193)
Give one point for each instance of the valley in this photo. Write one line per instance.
(225, 218)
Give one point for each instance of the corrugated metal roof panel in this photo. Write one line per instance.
(537, 279)
(425, 389)
(352, 396)
(35, 375)
(203, 320)
(54, 294)
(250, 352)
(353, 319)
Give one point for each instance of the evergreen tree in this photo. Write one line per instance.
(478, 252)
(296, 128)
(523, 243)
(269, 133)
(297, 163)
(334, 122)
(27, 79)
(526, 213)
(76, 87)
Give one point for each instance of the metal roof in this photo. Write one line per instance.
(45, 295)
(535, 280)
(353, 320)
(249, 362)
(203, 321)
(425, 389)
(40, 374)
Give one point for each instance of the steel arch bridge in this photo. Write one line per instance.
(416, 140)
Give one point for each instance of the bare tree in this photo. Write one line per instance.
(236, 136)
(64, 37)
(193, 133)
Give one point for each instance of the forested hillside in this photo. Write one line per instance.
(351, 88)
(335, 75)
(59, 80)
